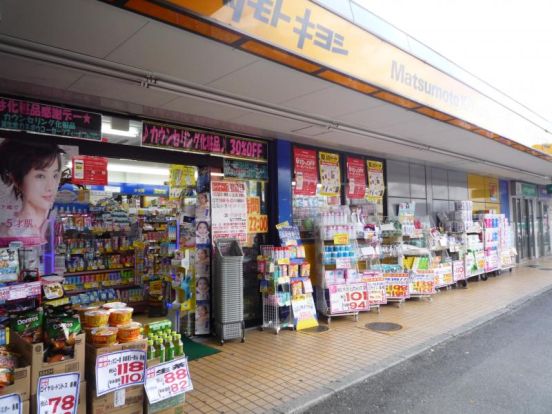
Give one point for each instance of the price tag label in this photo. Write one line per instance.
(11, 403)
(343, 263)
(168, 380)
(58, 394)
(119, 370)
(341, 238)
(284, 261)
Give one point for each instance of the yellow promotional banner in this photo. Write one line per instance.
(376, 181)
(330, 176)
(308, 30)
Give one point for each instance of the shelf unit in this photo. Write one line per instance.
(337, 263)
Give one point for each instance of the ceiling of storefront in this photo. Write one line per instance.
(90, 54)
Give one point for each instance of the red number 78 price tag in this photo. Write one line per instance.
(58, 394)
(167, 380)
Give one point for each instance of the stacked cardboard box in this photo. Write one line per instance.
(174, 405)
(128, 400)
(33, 355)
(21, 387)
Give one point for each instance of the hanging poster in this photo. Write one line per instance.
(304, 312)
(330, 177)
(29, 179)
(88, 170)
(376, 181)
(356, 177)
(229, 210)
(306, 175)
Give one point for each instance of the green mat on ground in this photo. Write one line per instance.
(196, 350)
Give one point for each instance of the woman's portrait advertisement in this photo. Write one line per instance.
(29, 179)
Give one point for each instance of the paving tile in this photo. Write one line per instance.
(269, 369)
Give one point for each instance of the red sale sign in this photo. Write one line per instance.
(58, 394)
(356, 176)
(306, 171)
(119, 370)
(89, 170)
(168, 380)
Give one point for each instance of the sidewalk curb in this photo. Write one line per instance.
(304, 402)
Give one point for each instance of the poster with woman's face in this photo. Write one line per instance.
(29, 180)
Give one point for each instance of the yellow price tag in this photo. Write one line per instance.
(341, 238)
(283, 261)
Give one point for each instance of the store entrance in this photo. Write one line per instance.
(543, 228)
(144, 238)
(523, 214)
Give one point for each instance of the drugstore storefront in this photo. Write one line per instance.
(135, 217)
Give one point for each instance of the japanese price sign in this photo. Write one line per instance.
(458, 270)
(343, 263)
(229, 210)
(376, 287)
(167, 380)
(348, 298)
(397, 285)
(119, 370)
(11, 403)
(341, 238)
(58, 394)
(422, 283)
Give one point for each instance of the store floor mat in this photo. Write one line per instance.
(196, 350)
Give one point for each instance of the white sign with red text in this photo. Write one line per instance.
(168, 380)
(58, 394)
(119, 370)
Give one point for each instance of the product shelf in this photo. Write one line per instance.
(93, 272)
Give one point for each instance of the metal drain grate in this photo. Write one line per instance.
(534, 266)
(383, 326)
(545, 268)
(316, 329)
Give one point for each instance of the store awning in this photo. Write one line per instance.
(101, 57)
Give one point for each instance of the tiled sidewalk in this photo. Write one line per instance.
(285, 372)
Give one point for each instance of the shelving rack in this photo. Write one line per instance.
(336, 255)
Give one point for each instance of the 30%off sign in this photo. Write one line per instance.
(119, 370)
(167, 380)
(58, 394)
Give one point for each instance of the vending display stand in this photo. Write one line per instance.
(508, 252)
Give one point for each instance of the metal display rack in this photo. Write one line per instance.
(337, 258)
(228, 288)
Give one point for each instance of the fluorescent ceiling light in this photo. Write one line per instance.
(132, 131)
(136, 169)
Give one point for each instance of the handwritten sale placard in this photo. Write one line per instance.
(11, 403)
(168, 380)
(119, 370)
(58, 394)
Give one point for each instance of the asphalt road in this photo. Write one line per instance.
(504, 366)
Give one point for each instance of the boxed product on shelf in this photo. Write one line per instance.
(21, 384)
(172, 405)
(33, 354)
